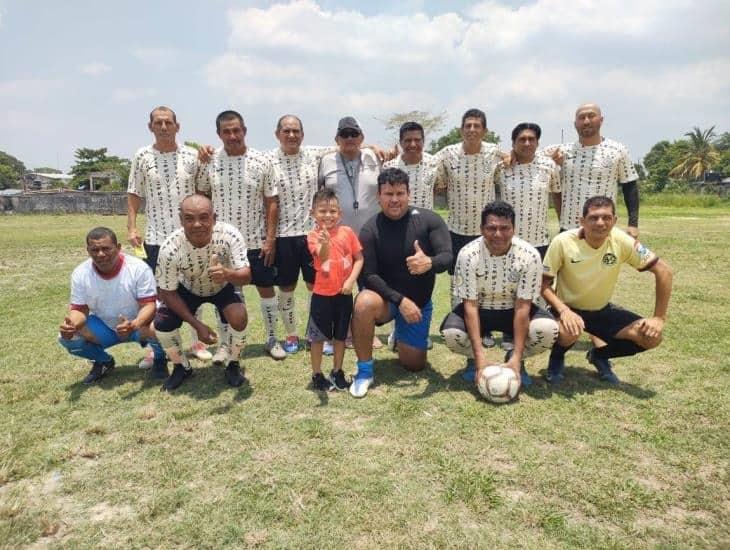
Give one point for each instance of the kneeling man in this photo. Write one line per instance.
(200, 263)
(497, 277)
(585, 263)
(403, 249)
(112, 301)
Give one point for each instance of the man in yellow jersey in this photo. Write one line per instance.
(584, 263)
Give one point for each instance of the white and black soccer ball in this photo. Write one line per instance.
(498, 384)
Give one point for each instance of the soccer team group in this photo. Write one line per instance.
(353, 218)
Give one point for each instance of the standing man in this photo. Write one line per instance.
(112, 301)
(240, 182)
(163, 174)
(403, 249)
(497, 278)
(202, 262)
(584, 264)
(593, 166)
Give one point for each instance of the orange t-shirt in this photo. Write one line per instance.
(331, 274)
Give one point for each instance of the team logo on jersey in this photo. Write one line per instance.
(608, 259)
(513, 276)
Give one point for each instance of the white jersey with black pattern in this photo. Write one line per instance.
(237, 185)
(422, 178)
(163, 180)
(181, 263)
(497, 281)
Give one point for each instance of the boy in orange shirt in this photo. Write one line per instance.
(338, 260)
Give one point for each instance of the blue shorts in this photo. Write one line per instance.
(413, 334)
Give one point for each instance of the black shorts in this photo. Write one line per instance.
(542, 250)
(607, 321)
(292, 255)
(167, 320)
(329, 317)
(261, 275)
(457, 243)
(499, 320)
(152, 251)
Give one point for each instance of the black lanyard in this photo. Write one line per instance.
(352, 179)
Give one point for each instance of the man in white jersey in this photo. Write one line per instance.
(202, 262)
(497, 278)
(112, 301)
(580, 272)
(240, 182)
(163, 174)
(594, 166)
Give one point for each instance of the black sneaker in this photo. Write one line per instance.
(337, 379)
(178, 376)
(159, 369)
(603, 366)
(99, 371)
(234, 375)
(320, 383)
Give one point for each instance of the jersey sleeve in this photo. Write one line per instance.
(531, 279)
(239, 252)
(465, 277)
(136, 182)
(268, 177)
(637, 255)
(167, 270)
(145, 285)
(553, 261)
(440, 240)
(626, 170)
(79, 286)
(204, 177)
(355, 245)
(554, 170)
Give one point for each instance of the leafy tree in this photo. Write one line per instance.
(700, 156)
(454, 136)
(723, 142)
(11, 171)
(723, 165)
(96, 160)
(640, 171)
(659, 162)
(431, 123)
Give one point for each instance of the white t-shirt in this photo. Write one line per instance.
(180, 263)
(295, 176)
(497, 281)
(118, 295)
(590, 171)
(422, 178)
(163, 180)
(237, 187)
(469, 184)
(527, 188)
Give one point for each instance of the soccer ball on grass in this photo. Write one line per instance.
(498, 384)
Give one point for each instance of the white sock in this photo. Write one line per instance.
(236, 342)
(288, 312)
(172, 344)
(193, 332)
(269, 313)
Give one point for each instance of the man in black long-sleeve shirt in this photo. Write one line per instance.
(403, 248)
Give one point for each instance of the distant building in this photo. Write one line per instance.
(36, 181)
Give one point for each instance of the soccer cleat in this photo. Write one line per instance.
(178, 376)
(362, 380)
(222, 355)
(273, 348)
(200, 351)
(525, 379)
(508, 343)
(99, 370)
(555, 371)
(320, 383)
(488, 340)
(469, 372)
(392, 342)
(337, 378)
(159, 369)
(291, 344)
(234, 374)
(148, 360)
(603, 366)
(328, 348)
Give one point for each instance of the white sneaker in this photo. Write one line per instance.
(488, 341)
(148, 360)
(200, 351)
(360, 385)
(222, 355)
(392, 342)
(273, 348)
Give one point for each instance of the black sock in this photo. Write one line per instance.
(618, 348)
(558, 352)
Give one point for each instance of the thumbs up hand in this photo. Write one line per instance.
(216, 271)
(125, 327)
(67, 328)
(418, 263)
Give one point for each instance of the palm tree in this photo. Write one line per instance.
(700, 157)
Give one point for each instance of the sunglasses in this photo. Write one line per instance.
(349, 133)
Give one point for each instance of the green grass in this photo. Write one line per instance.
(420, 462)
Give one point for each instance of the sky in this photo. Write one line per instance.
(87, 73)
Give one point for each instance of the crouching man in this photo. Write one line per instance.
(497, 277)
(112, 301)
(584, 264)
(202, 262)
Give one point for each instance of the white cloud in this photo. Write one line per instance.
(125, 95)
(95, 68)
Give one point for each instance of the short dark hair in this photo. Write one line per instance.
(410, 127)
(99, 233)
(325, 194)
(165, 109)
(474, 113)
(393, 176)
(500, 209)
(228, 115)
(522, 126)
(281, 120)
(599, 201)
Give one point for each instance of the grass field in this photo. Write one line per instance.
(420, 462)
